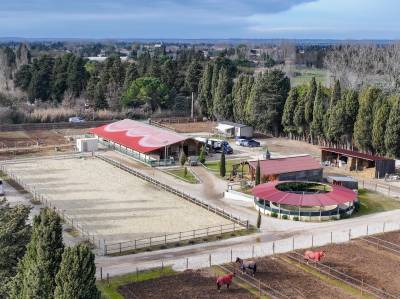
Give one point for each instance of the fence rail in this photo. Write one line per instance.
(171, 238)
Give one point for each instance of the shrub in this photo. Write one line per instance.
(182, 158)
(202, 157)
(275, 215)
(296, 218)
(285, 217)
(185, 171)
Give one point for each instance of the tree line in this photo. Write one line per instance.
(34, 262)
(368, 119)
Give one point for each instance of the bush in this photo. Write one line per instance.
(202, 157)
(275, 215)
(296, 218)
(185, 171)
(285, 217)
(182, 158)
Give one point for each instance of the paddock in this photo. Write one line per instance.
(112, 204)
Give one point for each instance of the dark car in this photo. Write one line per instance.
(251, 143)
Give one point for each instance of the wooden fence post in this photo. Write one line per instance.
(331, 237)
(273, 247)
(349, 234)
(108, 279)
(312, 241)
(209, 257)
(137, 274)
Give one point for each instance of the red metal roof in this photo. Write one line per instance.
(285, 165)
(338, 195)
(354, 154)
(138, 136)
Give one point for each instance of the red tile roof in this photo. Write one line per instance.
(285, 165)
(354, 154)
(138, 136)
(338, 195)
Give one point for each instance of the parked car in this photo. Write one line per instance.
(193, 161)
(76, 119)
(225, 148)
(251, 143)
(239, 141)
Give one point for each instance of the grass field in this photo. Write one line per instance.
(109, 290)
(180, 173)
(306, 74)
(372, 202)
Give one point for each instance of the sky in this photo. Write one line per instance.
(191, 19)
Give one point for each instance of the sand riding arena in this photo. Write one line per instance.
(112, 204)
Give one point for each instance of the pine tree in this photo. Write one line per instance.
(15, 234)
(37, 270)
(331, 129)
(131, 74)
(222, 167)
(392, 139)
(337, 122)
(318, 114)
(364, 121)
(169, 73)
(379, 127)
(77, 275)
(193, 75)
(258, 174)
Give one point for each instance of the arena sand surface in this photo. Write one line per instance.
(112, 204)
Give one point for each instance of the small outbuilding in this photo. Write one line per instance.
(231, 129)
(86, 145)
(297, 168)
(369, 166)
(345, 181)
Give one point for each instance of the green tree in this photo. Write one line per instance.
(222, 166)
(241, 92)
(182, 158)
(76, 79)
(299, 120)
(169, 73)
(41, 81)
(15, 234)
(318, 114)
(267, 101)
(205, 91)
(351, 113)
(193, 75)
(364, 121)
(309, 102)
(131, 75)
(146, 90)
(337, 122)
(222, 104)
(392, 139)
(258, 174)
(36, 272)
(202, 156)
(23, 77)
(379, 127)
(77, 275)
(289, 111)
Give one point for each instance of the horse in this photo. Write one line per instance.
(244, 265)
(225, 279)
(315, 256)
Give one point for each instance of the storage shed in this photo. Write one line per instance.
(231, 129)
(370, 166)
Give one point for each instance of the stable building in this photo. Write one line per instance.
(231, 129)
(149, 144)
(369, 166)
(299, 168)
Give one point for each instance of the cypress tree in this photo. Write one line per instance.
(289, 110)
(38, 268)
(15, 234)
(330, 127)
(221, 104)
(299, 116)
(379, 127)
(222, 167)
(351, 113)
(258, 174)
(318, 114)
(205, 91)
(337, 122)
(309, 102)
(364, 121)
(202, 156)
(193, 75)
(131, 74)
(392, 139)
(77, 275)
(182, 158)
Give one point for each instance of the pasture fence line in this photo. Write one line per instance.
(45, 200)
(380, 187)
(281, 246)
(52, 126)
(182, 194)
(173, 238)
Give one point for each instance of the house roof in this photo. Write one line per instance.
(138, 136)
(338, 195)
(232, 124)
(286, 165)
(353, 154)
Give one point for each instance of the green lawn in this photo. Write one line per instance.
(373, 202)
(110, 290)
(180, 173)
(214, 166)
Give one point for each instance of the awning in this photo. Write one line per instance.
(224, 128)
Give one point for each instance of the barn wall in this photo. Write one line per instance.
(385, 167)
(305, 175)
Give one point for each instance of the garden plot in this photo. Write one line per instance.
(111, 203)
